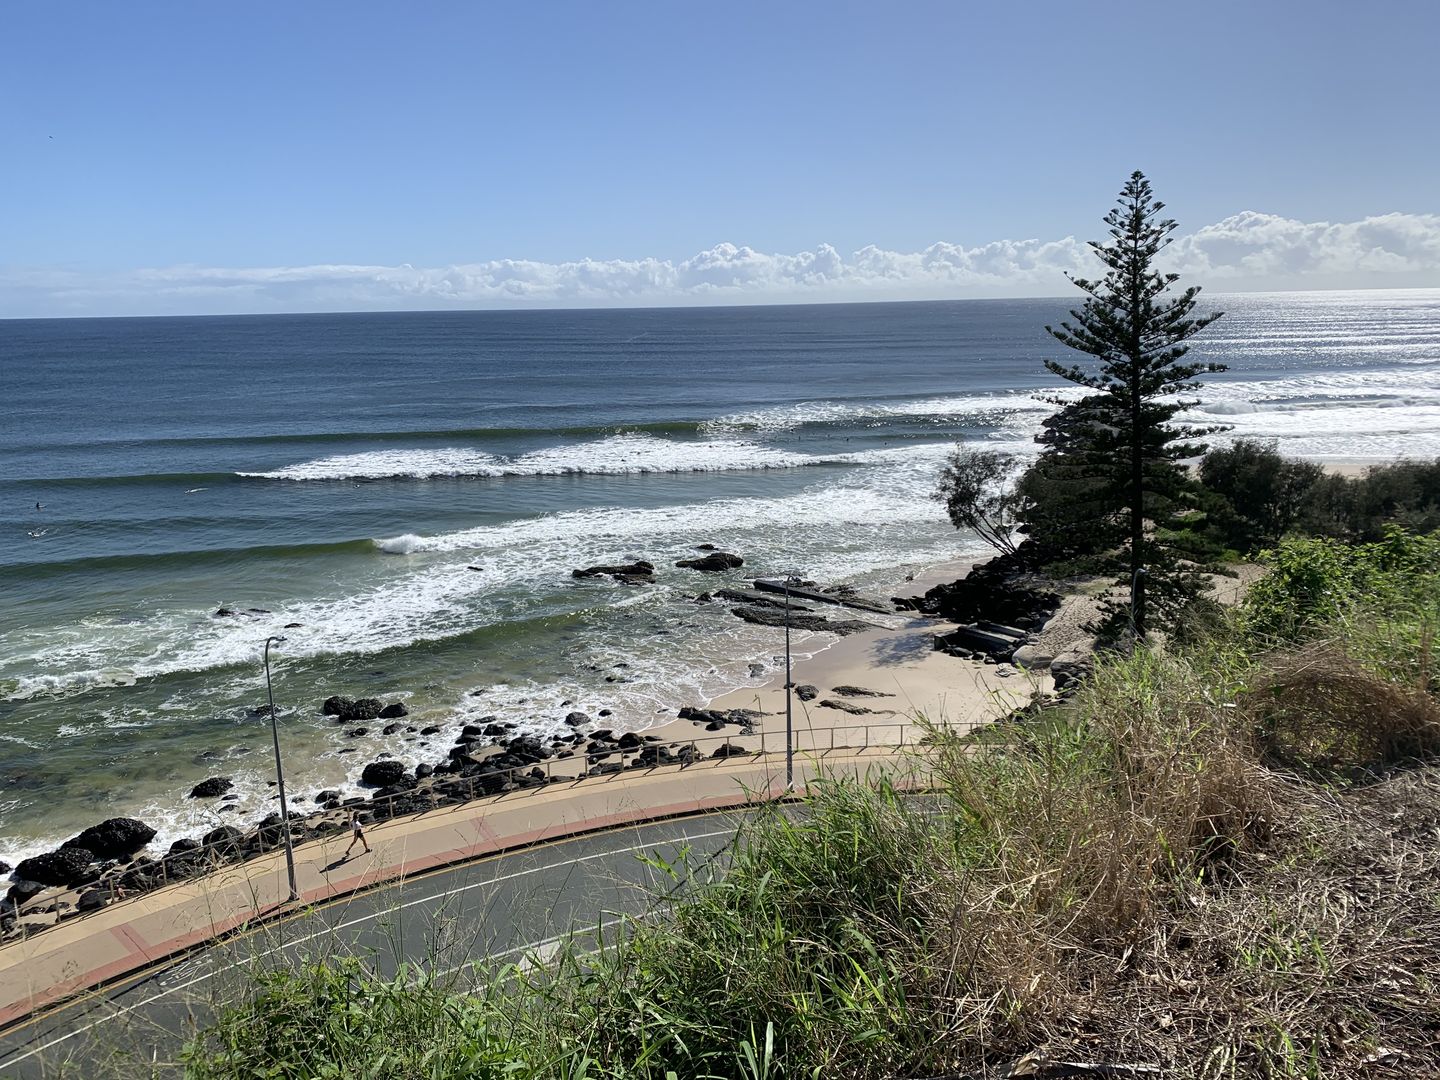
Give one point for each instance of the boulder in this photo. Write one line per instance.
(725, 750)
(368, 708)
(113, 838)
(433, 729)
(183, 846)
(390, 729)
(336, 705)
(224, 840)
(806, 692)
(68, 866)
(713, 563)
(92, 900)
(355, 733)
(394, 711)
(23, 891)
(382, 773)
(858, 691)
(629, 741)
(212, 788)
(575, 719)
(5, 868)
(989, 594)
(1070, 669)
(423, 770)
(843, 706)
(636, 573)
(1031, 657)
(769, 616)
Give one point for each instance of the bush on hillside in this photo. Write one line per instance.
(1406, 493)
(1256, 496)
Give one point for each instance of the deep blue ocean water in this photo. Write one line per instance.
(415, 488)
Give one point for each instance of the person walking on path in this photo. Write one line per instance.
(356, 833)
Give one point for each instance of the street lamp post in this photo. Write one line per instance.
(280, 774)
(790, 579)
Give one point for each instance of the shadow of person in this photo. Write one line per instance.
(341, 861)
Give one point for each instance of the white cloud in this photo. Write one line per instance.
(1248, 250)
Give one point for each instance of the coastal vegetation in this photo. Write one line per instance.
(1215, 860)
(1111, 459)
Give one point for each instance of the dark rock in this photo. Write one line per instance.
(183, 845)
(713, 563)
(575, 719)
(224, 613)
(715, 725)
(858, 691)
(394, 711)
(92, 900)
(703, 716)
(842, 596)
(527, 749)
(23, 891)
(5, 867)
(990, 593)
(364, 709)
(1070, 669)
(806, 692)
(327, 795)
(355, 733)
(293, 625)
(844, 706)
(433, 729)
(389, 729)
(604, 712)
(474, 730)
(423, 770)
(68, 866)
(755, 598)
(336, 705)
(211, 788)
(629, 741)
(496, 731)
(636, 573)
(726, 750)
(113, 838)
(381, 773)
(225, 840)
(766, 616)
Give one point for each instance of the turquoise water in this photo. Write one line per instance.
(413, 489)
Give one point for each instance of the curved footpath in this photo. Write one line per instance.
(132, 935)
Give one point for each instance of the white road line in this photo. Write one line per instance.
(125, 1010)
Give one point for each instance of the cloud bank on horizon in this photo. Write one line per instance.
(1246, 251)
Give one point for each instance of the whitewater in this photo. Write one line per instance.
(403, 497)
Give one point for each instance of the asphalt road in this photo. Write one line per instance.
(503, 907)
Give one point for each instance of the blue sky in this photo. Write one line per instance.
(140, 139)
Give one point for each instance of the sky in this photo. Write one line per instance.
(180, 158)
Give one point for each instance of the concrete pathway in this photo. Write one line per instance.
(128, 936)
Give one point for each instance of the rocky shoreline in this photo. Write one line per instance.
(491, 757)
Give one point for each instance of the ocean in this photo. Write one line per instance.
(413, 490)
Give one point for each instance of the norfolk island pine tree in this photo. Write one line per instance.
(1136, 328)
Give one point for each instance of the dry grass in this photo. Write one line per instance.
(1319, 709)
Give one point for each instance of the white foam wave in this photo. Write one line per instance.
(617, 455)
(958, 407)
(389, 464)
(400, 545)
(854, 521)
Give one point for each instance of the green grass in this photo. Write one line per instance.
(1219, 861)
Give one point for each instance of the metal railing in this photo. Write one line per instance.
(599, 765)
